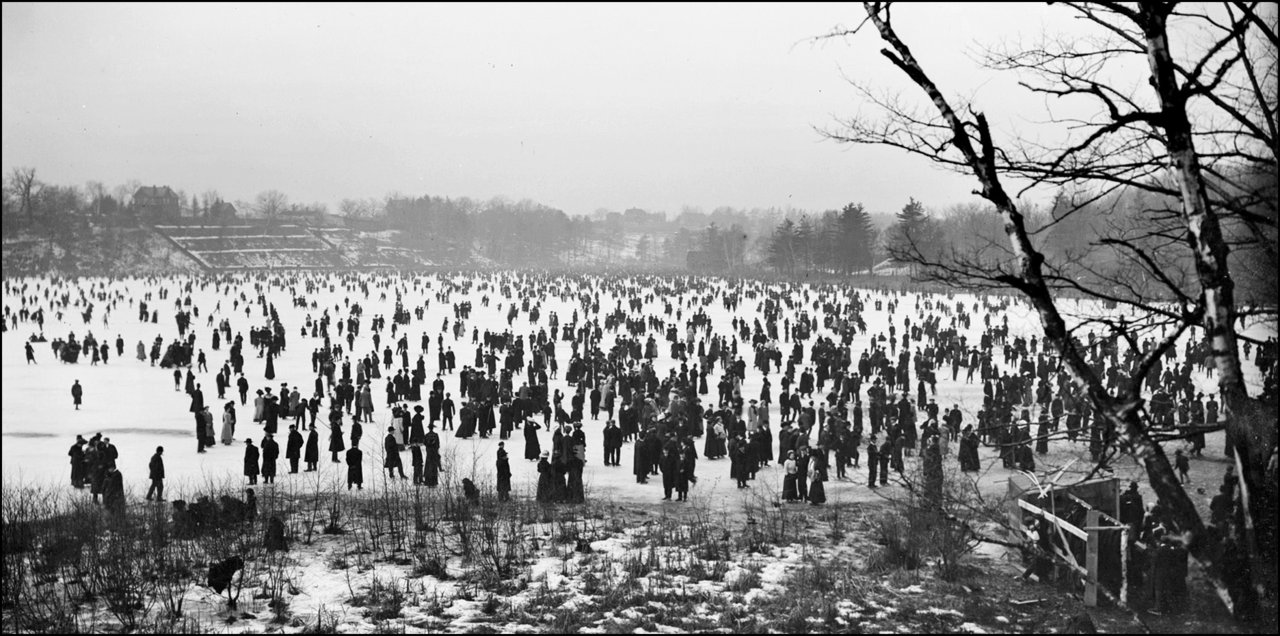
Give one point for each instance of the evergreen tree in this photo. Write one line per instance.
(913, 234)
(858, 238)
(782, 248)
(804, 240)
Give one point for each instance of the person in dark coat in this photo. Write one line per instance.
(77, 462)
(97, 469)
(446, 413)
(470, 493)
(113, 490)
(77, 392)
(546, 479)
(1132, 511)
(872, 461)
(737, 449)
(532, 447)
(355, 468)
(415, 458)
(270, 453)
(467, 425)
(293, 448)
(336, 445)
(156, 474)
(417, 432)
(817, 477)
(357, 431)
(1026, 459)
(641, 459)
(197, 399)
(391, 459)
(312, 455)
(504, 474)
(670, 467)
(968, 453)
(251, 461)
(612, 444)
(883, 454)
(687, 476)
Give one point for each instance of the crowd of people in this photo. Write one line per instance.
(782, 379)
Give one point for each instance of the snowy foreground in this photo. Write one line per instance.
(621, 540)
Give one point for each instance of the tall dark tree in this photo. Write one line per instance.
(857, 238)
(782, 247)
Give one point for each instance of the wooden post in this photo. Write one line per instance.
(1091, 562)
(1124, 566)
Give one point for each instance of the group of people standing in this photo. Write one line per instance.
(868, 363)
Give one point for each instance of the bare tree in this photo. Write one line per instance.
(25, 187)
(125, 191)
(1133, 148)
(362, 208)
(97, 191)
(271, 203)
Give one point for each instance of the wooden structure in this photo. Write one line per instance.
(1079, 525)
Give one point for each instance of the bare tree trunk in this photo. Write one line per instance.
(1247, 434)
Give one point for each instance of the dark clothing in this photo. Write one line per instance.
(532, 447)
(355, 468)
(156, 474)
(113, 492)
(612, 446)
(391, 461)
(251, 455)
(293, 450)
(504, 476)
(313, 448)
(546, 482)
(270, 452)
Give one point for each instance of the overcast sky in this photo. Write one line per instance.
(575, 106)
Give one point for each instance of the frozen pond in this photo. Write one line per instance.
(135, 404)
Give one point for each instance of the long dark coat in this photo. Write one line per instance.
(293, 449)
(546, 482)
(640, 458)
(670, 466)
(355, 466)
(313, 447)
(270, 452)
(391, 451)
(251, 455)
(336, 445)
(532, 447)
(504, 473)
(113, 492)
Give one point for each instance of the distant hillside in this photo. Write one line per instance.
(97, 250)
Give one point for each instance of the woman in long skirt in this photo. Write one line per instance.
(817, 475)
(546, 480)
(532, 448)
(228, 423)
(789, 480)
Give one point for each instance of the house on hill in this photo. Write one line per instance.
(159, 202)
(222, 211)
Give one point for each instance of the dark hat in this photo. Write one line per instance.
(248, 441)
